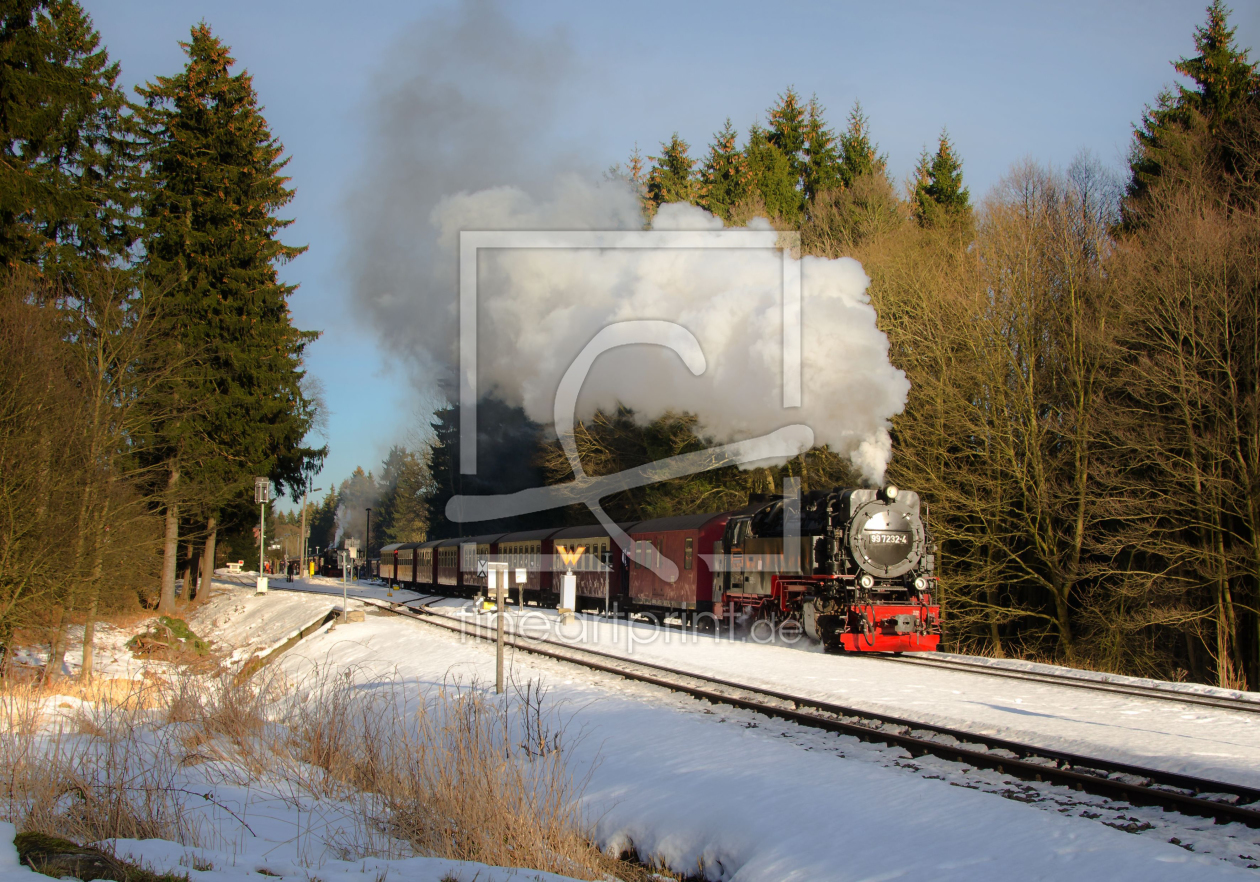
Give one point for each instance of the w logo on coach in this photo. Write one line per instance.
(570, 556)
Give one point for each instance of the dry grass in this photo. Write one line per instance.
(456, 773)
(92, 777)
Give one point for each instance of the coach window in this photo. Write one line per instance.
(687, 554)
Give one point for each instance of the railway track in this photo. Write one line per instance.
(1153, 692)
(1136, 785)
(1156, 693)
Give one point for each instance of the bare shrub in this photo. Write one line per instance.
(120, 782)
(457, 774)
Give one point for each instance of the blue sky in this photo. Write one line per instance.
(1010, 80)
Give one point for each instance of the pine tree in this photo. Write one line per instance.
(409, 521)
(787, 130)
(672, 178)
(823, 170)
(724, 177)
(213, 184)
(921, 204)
(939, 195)
(1221, 71)
(323, 521)
(355, 496)
(64, 152)
(634, 176)
(770, 175)
(858, 155)
(634, 168)
(1224, 80)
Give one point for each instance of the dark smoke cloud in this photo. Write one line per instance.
(466, 111)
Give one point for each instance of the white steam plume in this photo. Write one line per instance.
(479, 79)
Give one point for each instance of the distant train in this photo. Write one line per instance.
(856, 568)
(330, 563)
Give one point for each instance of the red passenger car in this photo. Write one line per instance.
(685, 541)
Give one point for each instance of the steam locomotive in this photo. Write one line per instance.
(854, 568)
(857, 568)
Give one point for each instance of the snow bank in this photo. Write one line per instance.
(746, 800)
(11, 869)
(268, 856)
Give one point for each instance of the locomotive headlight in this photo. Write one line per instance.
(867, 580)
(890, 492)
(920, 583)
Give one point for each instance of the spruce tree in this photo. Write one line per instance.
(213, 185)
(672, 178)
(859, 156)
(771, 175)
(409, 520)
(1224, 81)
(823, 170)
(787, 130)
(724, 177)
(64, 151)
(939, 195)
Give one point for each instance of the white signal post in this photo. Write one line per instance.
(497, 576)
(351, 553)
(262, 493)
(568, 584)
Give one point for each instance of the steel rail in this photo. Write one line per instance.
(1164, 789)
(1153, 692)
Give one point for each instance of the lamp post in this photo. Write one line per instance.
(367, 543)
(306, 490)
(262, 492)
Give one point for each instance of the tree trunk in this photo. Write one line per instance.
(101, 531)
(56, 647)
(190, 571)
(1192, 656)
(89, 628)
(6, 648)
(1063, 615)
(207, 560)
(995, 632)
(170, 550)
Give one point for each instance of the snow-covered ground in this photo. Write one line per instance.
(235, 621)
(752, 798)
(1209, 742)
(730, 793)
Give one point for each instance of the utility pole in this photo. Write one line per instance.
(367, 544)
(306, 489)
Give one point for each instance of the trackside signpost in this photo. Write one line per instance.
(496, 581)
(262, 493)
(568, 583)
